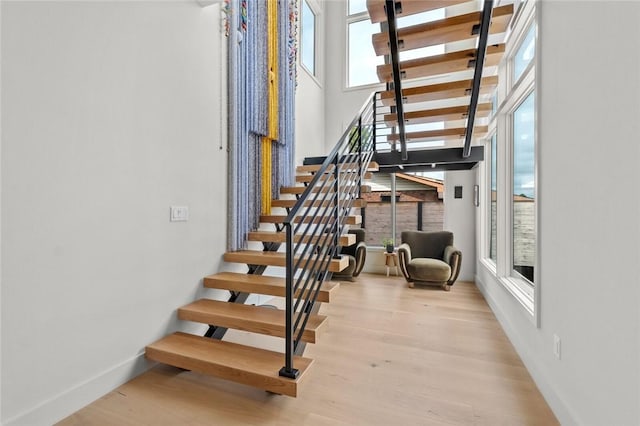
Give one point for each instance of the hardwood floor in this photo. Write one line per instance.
(390, 355)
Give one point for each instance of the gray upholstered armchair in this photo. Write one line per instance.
(429, 258)
(356, 253)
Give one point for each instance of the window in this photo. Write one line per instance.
(357, 6)
(362, 60)
(510, 233)
(418, 201)
(493, 203)
(524, 185)
(308, 38)
(524, 54)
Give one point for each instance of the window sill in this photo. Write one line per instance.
(514, 286)
(312, 76)
(368, 87)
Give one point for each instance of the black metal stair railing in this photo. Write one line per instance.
(319, 217)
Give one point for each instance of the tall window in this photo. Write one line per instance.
(308, 38)
(362, 60)
(511, 235)
(357, 6)
(524, 185)
(362, 57)
(525, 53)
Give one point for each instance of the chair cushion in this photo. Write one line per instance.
(427, 244)
(424, 269)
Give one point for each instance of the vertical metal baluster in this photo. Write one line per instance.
(336, 187)
(288, 370)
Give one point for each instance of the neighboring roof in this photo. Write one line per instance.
(516, 198)
(434, 183)
(376, 197)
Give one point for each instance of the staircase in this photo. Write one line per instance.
(302, 248)
(318, 211)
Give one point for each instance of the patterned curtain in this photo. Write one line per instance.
(261, 103)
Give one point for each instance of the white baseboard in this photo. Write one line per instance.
(68, 402)
(562, 412)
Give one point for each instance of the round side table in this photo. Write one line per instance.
(391, 259)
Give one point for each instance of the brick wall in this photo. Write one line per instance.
(378, 218)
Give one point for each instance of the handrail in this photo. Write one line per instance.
(477, 75)
(390, 7)
(320, 213)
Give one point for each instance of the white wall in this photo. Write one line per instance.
(589, 103)
(459, 218)
(309, 117)
(341, 104)
(310, 101)
(111, 113)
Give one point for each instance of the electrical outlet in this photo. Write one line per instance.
(179, 214)
(556, 346)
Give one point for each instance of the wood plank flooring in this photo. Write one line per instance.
(390, 355)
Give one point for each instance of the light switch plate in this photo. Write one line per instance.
(179, 214)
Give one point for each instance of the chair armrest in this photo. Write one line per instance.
(404, 257)
(453, 257)
(361, 257)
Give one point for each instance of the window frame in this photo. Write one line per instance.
(511, 94)
(489, 178)
(352, 19)
(305, 66)
(318, 41)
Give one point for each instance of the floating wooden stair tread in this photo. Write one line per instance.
(275, 218)
(358, 202)
(443, 31)
(436, 92)
(262, 284)
(428, 135)
(441, 64)
(312, 168)
(281, 237)
(377, 11)
(438, 114)
(255, 319)
(270, 258)
(309, 178)
(297, 190)
(231, 361)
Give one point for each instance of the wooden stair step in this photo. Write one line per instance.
(255, 319)
(262, 284)
(377, 11)
(309, 178)
(430, 135)
(276, 218)
(297, 190)
(281, 237)
(438, 114)
(441, 64)
(447, 30)
(238, 363)
(358, 202)
(312, 168)
(436, 92)
(270, 258)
